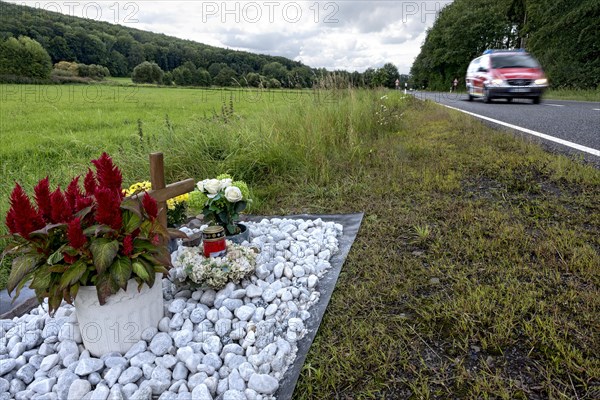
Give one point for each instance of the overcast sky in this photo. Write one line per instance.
(350, 35)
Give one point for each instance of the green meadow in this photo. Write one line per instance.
(475, 274)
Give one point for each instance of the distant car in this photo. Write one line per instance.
(506, 74)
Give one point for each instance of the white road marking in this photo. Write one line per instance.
(596, 109)
(532, 132)
(554, 105)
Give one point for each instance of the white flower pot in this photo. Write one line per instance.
(118, 324)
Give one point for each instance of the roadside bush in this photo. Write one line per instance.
(147, 72)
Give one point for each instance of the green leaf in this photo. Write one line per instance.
(42, 278)
(46, 230)
(121, 271)
(231, 229)
(57, 256)
(96, 230)
(141, 245)
(239, 206)
(131, 221)
(74, 290)
(54, 300)
(83, 212)
(22, 266)
(73, 274)
(105, 286)
(151, 274)
(140, 270)
(104, 252)
(25, 279)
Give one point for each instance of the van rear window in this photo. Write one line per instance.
(513, 61)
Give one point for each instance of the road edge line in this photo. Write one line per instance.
(531, 132)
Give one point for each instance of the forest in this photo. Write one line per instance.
(564, 35)
(120, 50)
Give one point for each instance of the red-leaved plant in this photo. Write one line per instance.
(86, 237)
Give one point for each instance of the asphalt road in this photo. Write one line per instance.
(572, 127)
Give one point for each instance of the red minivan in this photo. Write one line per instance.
(506, 74)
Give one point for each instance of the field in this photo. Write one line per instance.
(476, 273)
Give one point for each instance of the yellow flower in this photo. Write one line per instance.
(171, 203)
(138, 187)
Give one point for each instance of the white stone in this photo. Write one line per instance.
(130, 375)
(269, 295)
(312, 281)
(236, 382)
(161, 343)
(182, 338)
(79, 388)
(88, 365)
(201, 392)
(49, 362)
(177, 306)
(101, 392)
(253, 291)
(244, 313)
(43, 386)
(263, 383)
(212, 345)
(197, 315)
(232, 394)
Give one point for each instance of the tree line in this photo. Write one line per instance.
(157, 58)
(564, 35)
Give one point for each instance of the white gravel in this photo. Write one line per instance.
(235, 343)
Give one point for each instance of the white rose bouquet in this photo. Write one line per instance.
(221, 200)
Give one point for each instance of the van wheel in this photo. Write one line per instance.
(509, 99)
(537, 100)
(486, 95)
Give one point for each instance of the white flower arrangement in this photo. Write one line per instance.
(216, 272)
(221, 201)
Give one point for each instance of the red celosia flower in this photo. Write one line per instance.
(11, 221)
(89, 183)
(83, 202)
(128, 245)
(42, 198)
(155, 239)
(109, 176)
(108, 210)
(75, 234)
(69, 259)
(22, 218)
(61, 211)
(150, 206)
(73, 193)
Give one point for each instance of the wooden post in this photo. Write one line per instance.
(162, 193)
(157, 179)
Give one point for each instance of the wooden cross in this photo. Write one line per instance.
(161, 192)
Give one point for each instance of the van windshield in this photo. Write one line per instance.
(513, 61)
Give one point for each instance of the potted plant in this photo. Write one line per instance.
(94, 248)
(221, 201)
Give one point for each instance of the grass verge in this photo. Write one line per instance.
(476, 271)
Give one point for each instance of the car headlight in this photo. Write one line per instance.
(497, 82)
(543, 81)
